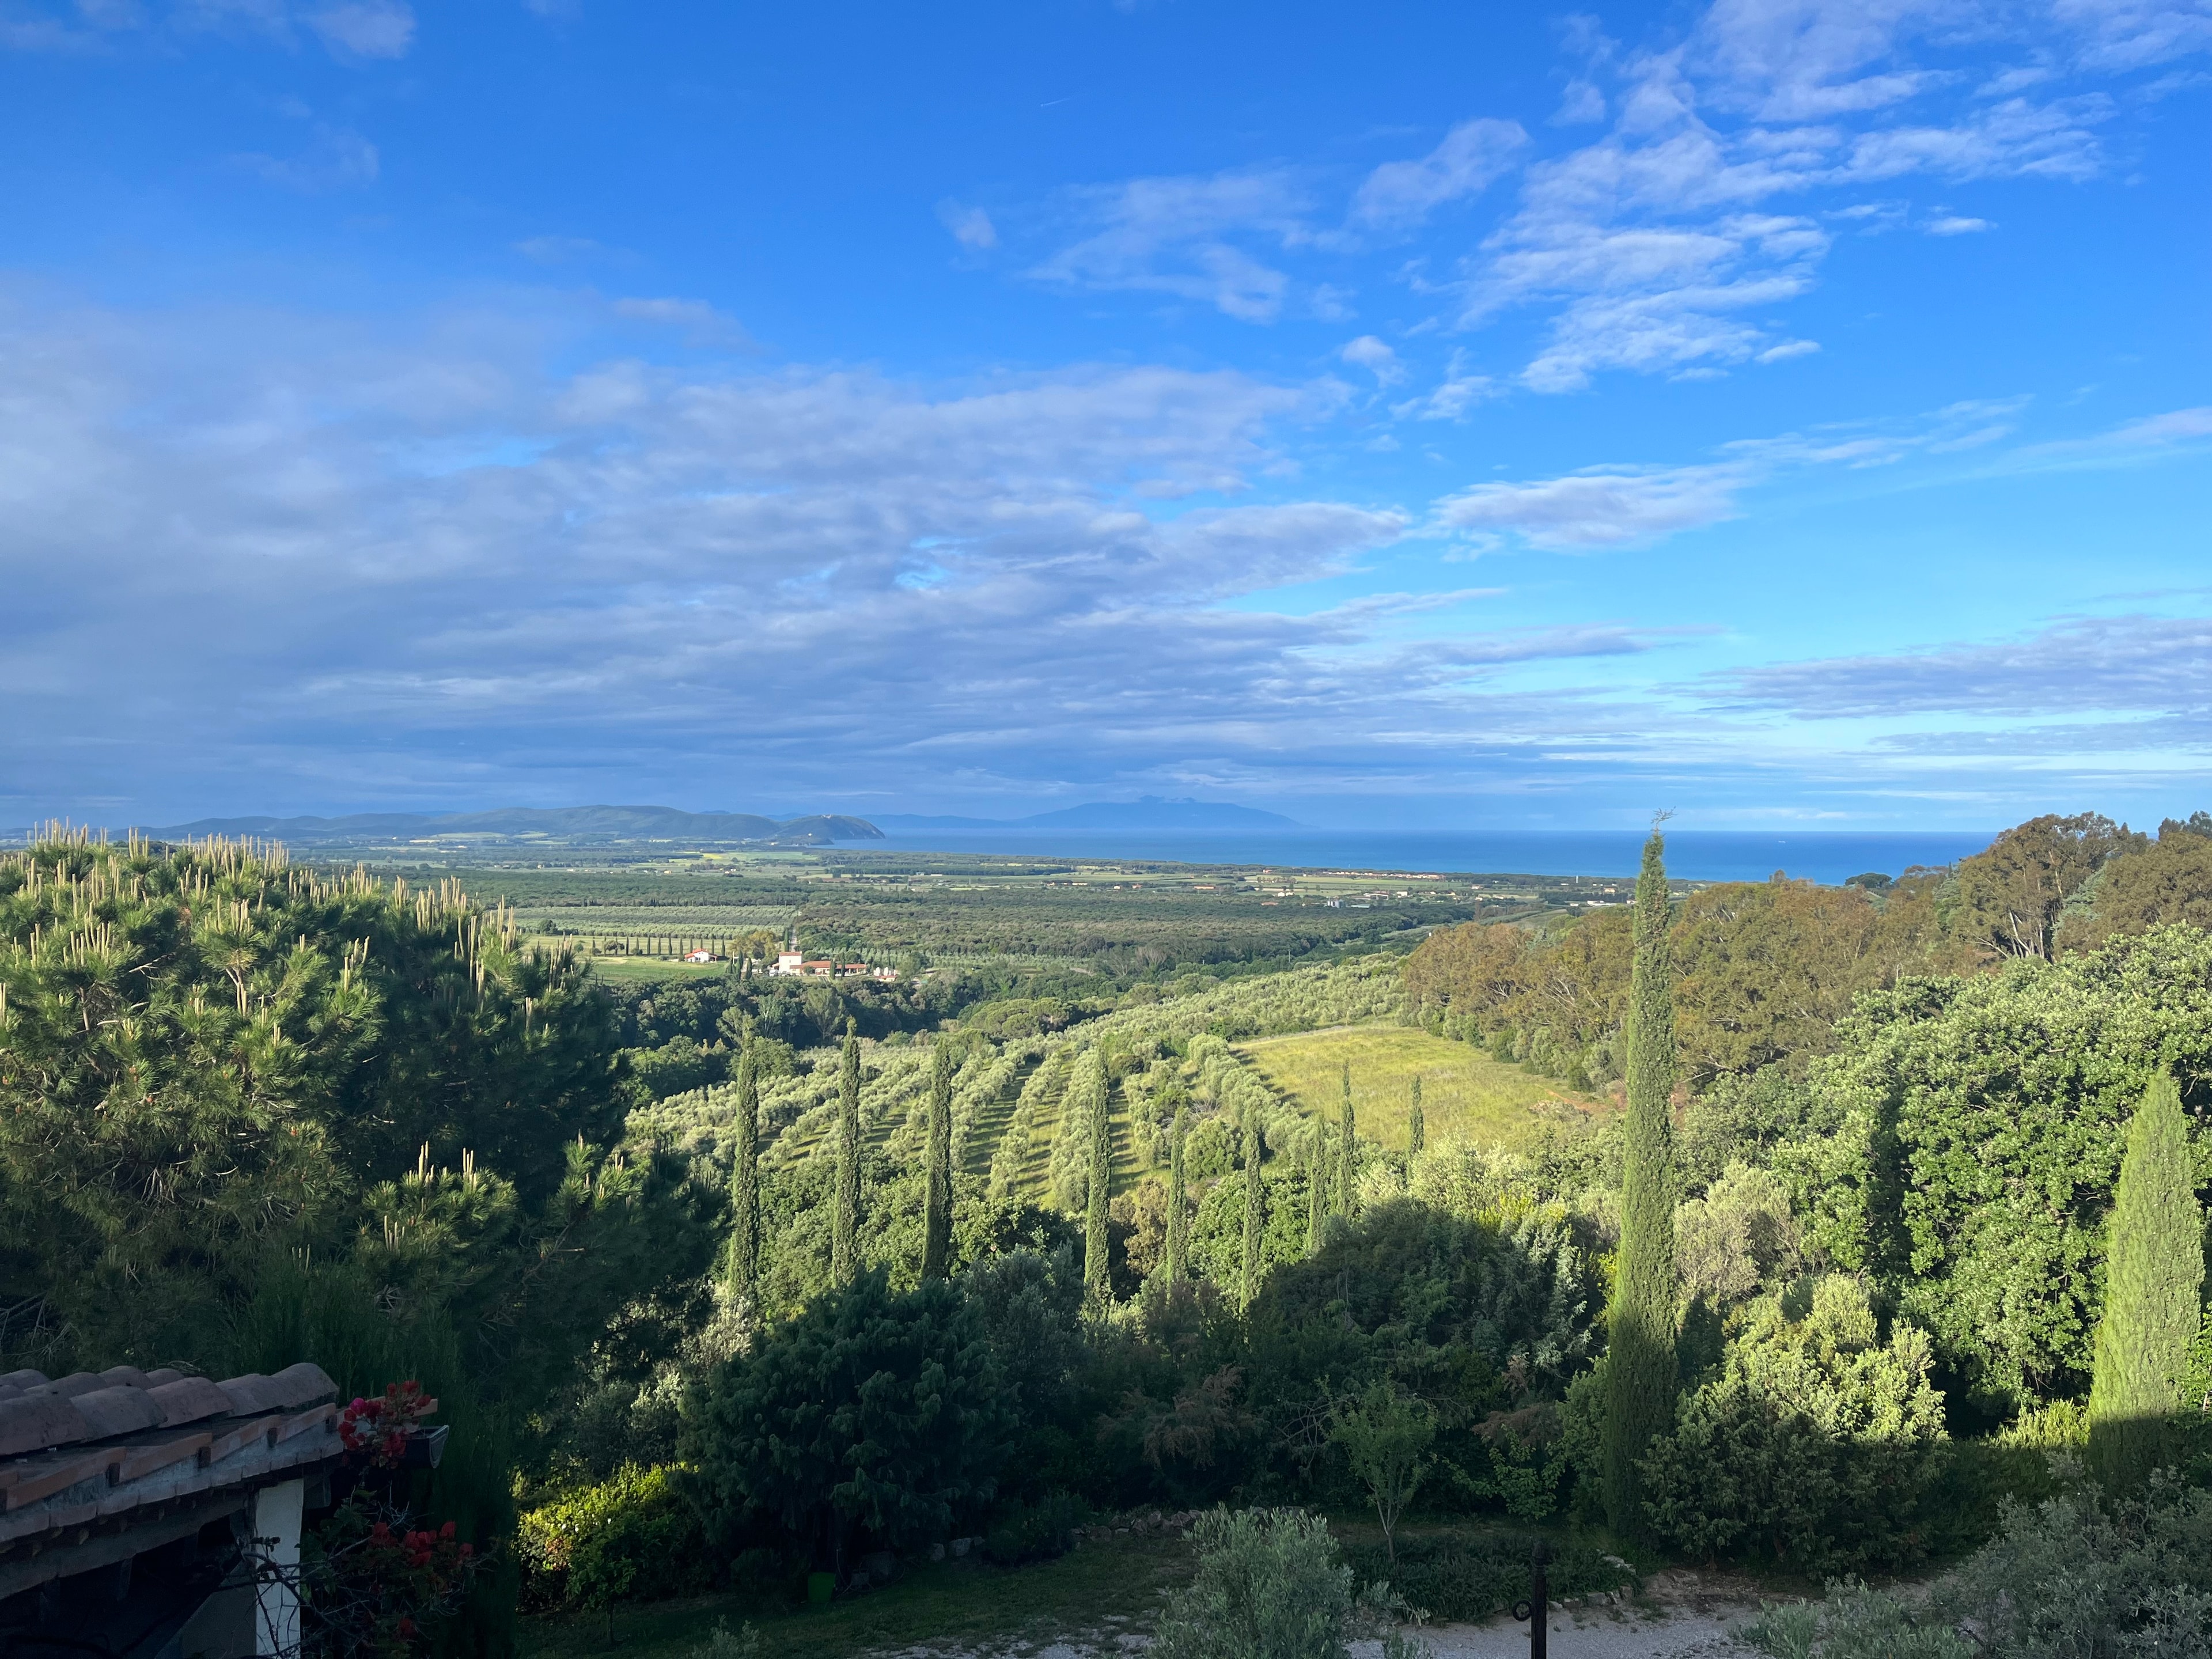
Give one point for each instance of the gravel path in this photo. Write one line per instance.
(1679, 1615)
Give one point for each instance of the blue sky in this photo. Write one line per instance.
(1789, 412)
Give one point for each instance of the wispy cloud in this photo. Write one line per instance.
(702, 325)
(1400, 194)
(1198, 238)
(1375, 357)
(337, 159)
(1622, 506)
(365, 28)
(2120, 663)
(1599, 509)
(970, 225)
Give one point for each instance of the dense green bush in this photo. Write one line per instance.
(1034, 1532)
(1963, 1144)
(1814, 1446)
(635, 1536)
(871, 1419)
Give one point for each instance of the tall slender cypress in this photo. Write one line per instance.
(1178, 1201)
(1350, 1151)
(937, 1190)
(1416, 1129)
(1252, 1201)
(1098, 1278)
(744, 1180)
(1317, 1185)
(2154, 1277)
(1640, 1364)
(845, 1220)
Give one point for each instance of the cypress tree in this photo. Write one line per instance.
(1416, 1129)
(845, 1218)
(1097, 1281)
(936, 1191)
(1316, 1186)
(744, 1180)
(1350, 1151)
(1640, 1364)
(1178, 1223)
(2154, 1277)
(1252, 1200)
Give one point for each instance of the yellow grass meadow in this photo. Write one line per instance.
(1465, 1095)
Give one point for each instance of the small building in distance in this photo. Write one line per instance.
(698, 956)
(796, 963)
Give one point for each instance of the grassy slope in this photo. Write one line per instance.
(1465, 1094)
(968, 1602)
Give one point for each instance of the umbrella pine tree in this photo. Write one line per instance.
(1640, 1363)
(937, 1193)
(845, 1218)
(2153, 1280)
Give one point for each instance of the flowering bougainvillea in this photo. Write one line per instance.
(380, 1426)
(375, 1584)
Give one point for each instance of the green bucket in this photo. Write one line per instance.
(821, 1586)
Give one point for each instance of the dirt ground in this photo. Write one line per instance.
(1678, 1615)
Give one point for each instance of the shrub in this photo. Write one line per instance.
(1035, 1532)
(1853, 1623)
(2074, 1577)
(1815, 1445)
(872, 1413)
(1463, 1575)
(1271, 1585)
(633, 1537)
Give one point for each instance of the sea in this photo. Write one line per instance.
(1828, 856)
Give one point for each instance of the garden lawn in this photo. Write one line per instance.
(1108, 1587)
(1465, 1095)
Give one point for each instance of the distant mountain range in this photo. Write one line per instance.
(668, 823)
(1150, 812)
(562, 823)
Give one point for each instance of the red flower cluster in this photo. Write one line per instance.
(380, 1426)
(377, 1586)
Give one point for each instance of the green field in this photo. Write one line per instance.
(1465, 1094)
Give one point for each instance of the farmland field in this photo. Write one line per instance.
(1465, 1094)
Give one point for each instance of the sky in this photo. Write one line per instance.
(1780, 412)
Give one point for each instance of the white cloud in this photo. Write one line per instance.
(1626, 506)
(1954, 224)
(1375, 357)
(1459, 391)
(369, 566)
(1399, 194)
(1581, 105)
(1181, 236)
(1599, 509)
(2107, 663)
(970, 225)
(365, 28)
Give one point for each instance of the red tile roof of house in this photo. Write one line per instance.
(81, 1449)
